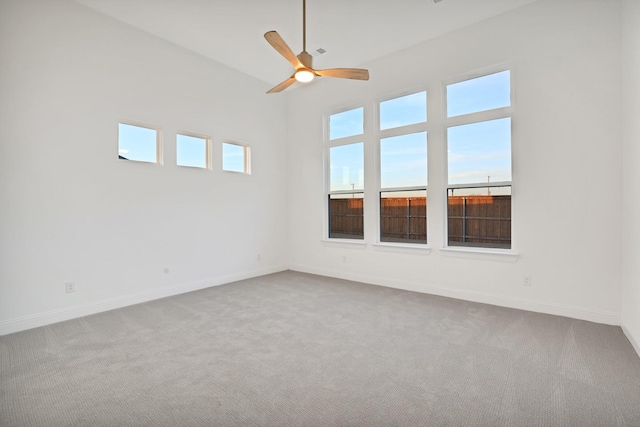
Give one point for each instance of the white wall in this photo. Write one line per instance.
(631, 165)
(566, 59)
(71, 211)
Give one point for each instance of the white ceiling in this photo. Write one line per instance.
(352, 32)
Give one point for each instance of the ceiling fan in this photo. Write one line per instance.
(302, 63)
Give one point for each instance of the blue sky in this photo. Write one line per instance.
(403, 160)
(402, 111)
(347, 167)
(191, 151)
(476, 152)
(347, 123)
(139, 143)
(479, 94)
(232, 157)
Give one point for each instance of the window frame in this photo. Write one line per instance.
(379, 135)
(208, 149)
(472, 118)
(159, 138)
(338, 142)
(246, 153)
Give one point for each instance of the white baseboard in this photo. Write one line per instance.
(574, 312)
(54, 316)
(632, 336)
(33, 321)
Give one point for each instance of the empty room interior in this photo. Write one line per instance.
(448, 238)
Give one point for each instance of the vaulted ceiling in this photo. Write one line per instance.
(352, 32)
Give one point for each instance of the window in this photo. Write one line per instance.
(404, 110)
(345, 195)
(346, 203)
(193, 151)
(403, 169)
(477, 141)
(139, 143)
(347, 123)
(479, 162)
(236, 157)
(479, 94)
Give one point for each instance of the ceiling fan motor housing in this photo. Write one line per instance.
(306, 59)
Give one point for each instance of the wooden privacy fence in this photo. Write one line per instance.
(473, 220)
(346, 218)
(480, 221)
(403, 218)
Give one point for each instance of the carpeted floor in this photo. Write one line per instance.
(292, 349)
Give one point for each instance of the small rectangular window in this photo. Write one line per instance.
(236, 158)
(192, 151)
(139, 143)
(347, 123)
(403, 111)
(479, 94)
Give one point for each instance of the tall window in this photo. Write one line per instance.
(345, 194)
(479, 161)
(403, 169)
(139, 143)
(193, 151)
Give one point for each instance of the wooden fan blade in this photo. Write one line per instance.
(278, 44)
(282, 86)
(345, 73)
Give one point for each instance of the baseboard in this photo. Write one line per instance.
(574, 312)
(55, 316)
(33, 321)
(632, 336)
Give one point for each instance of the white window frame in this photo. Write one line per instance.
(390, 133)
(331, 143)
(471, 118)
(159, 145)
(246, 152)
(208, 149)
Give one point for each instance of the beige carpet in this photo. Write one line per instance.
(293, 349)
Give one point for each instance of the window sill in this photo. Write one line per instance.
(418, 249)
(481, 254)
(352, 243)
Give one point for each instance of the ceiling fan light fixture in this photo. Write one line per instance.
(304, 75)
(304, 71)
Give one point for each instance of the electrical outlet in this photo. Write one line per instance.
(259, 257)
(70, 287)
(344, 259)
(527, 281)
